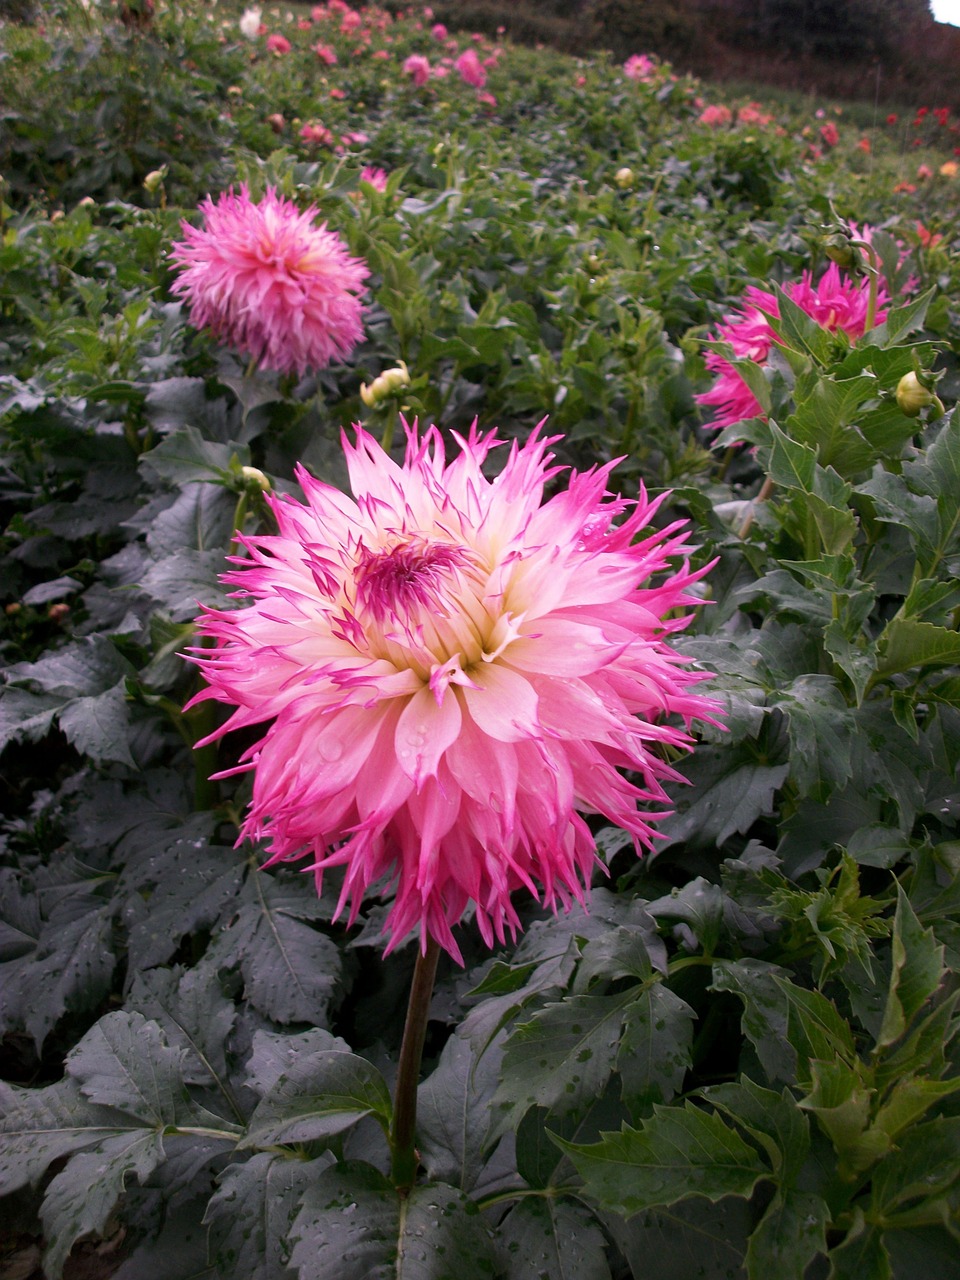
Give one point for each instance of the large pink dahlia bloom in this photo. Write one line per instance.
(451, 668)
(270, 282)
(835, 303)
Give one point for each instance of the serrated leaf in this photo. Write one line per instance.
(861, 1254)
(814, 1027)
(274, 1054)
(764, 1018)
(924, 1164)
(184, 457)
(81, 1198)
(39, 1126)
(177, 1252)
(792, 1232)
(354, 1226)
(791, 463)
(72, 967)
(691, 1238)
(821, 729)
(729, 790)
(678, 1152)
(916, 972)
(552, 1240)
(562, 1058)
(194, 1015)
(905, 645)
(99, 727)
(656, 1047)
(123, 1062)
(82, 669)
(251, 1213)
(773, 1119)
(318, 1097)
(290, 970)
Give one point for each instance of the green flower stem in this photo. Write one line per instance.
(873, 271)
(403, 1130)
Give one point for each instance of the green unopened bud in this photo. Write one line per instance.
(623, 178)
(839, 250)
(384, 385)
(913, 397)
(154, 180)
(254, 476)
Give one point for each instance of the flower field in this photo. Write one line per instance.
(480, 708)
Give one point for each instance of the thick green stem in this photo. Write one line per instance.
(765, 491)
(404, 1129)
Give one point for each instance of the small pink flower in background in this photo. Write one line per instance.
(864, 145)
(927, 238)
(304, 24)
(319, 12)
(820, 113)
(418, 68)
(269, 282)
(752, 115)
(907, 187)
(924, 171)
(948, 169)
(350, 21)
(278, 44)
(835, 303)
(892, 118)
(830, 134)
(471, 70)
(716, 117)
(377, 178)
(451, 670)
(580, 81)
(439, 32)
(316, 134)
(440, 72)
(486, 98)
(381, 55)
(325, 54)
(639, 67)
(337, 94)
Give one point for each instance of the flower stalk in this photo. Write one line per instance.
(404, 1159)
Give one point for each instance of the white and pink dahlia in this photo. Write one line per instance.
(452, 670)
(264, 278)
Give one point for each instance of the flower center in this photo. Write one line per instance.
(420, 602)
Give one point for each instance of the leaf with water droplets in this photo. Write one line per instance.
(792, 1232)
(123, 1062)
(354, 1226)
(552, 1239)
(251, 1213)
(320, 1096)
(81, 1198)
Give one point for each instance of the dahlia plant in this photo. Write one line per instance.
(836, 303)
(451, 670)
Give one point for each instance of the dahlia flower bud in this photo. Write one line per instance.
(388, 382)
(838, 249)
(913, 397)
(623, 178)
(448, 671)
(254, 477)
(154, 180)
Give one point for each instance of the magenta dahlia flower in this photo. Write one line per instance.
(450, 669)
(836, 303)
(265, 279)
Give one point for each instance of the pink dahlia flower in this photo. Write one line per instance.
(450, 668)
(471, 70)
(278, 44)
(639, 67)
(418, 68)
(716, 117)
(268, 281)
(376, 177)
(836, 303)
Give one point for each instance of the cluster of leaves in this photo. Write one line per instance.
(743, 1061)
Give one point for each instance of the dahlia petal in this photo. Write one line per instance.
(425, 730)
(503, 705)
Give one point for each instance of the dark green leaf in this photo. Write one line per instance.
(552, 1240)
(792, 1232)
(453, 1112)
(916, 974)
(318, 1097)
(123, 1062)
(354, 1226)
(655, 1050)
(678, 1152)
